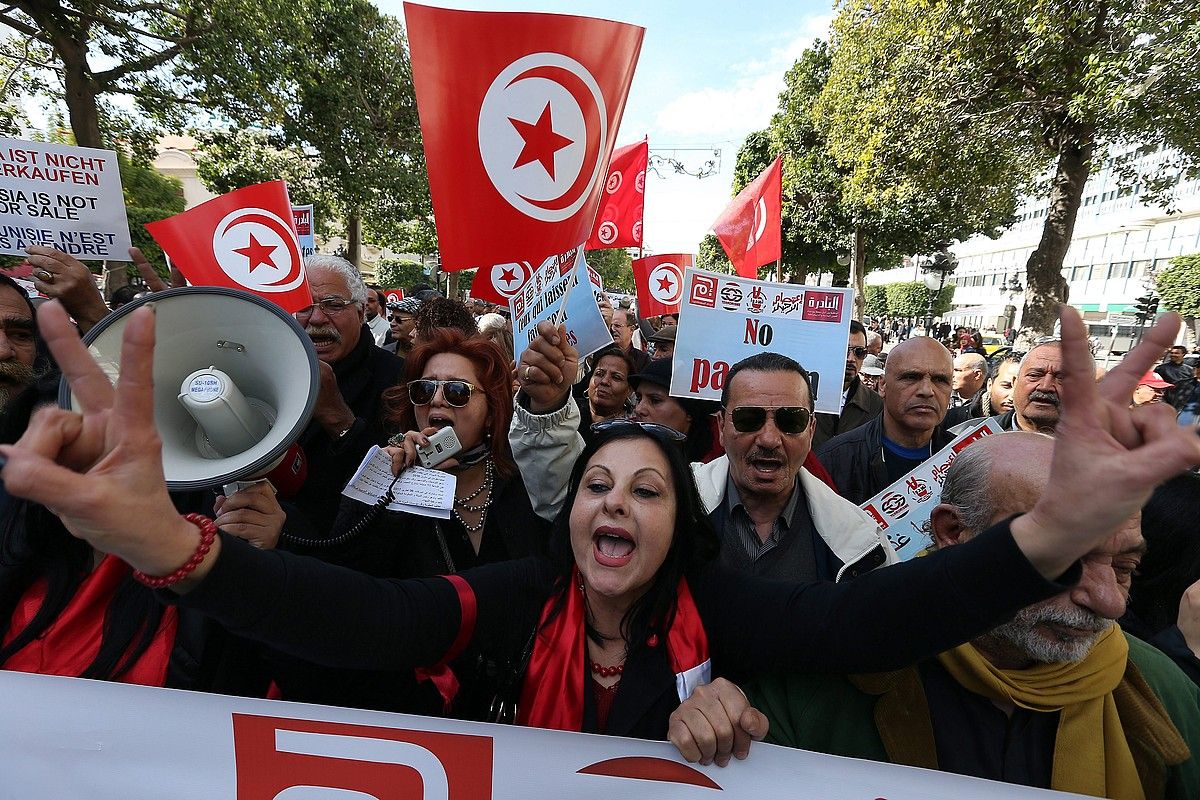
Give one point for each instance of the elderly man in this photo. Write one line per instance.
(1036, 400)
(1058, 698)
(915, 388)
(354, 372)
(20, 360)
(664, 342)
(402, 316)
(859, 404)
(1150, 389)
(773, 516)
(624, 323)
(970, 373)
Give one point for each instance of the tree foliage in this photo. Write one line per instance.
(1179, 286)
(615, 266)
(712, 256)
(912, 299)
(394, 273)
(149, 197)
(876, 304)
(964, 106)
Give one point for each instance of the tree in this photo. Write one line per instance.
(149, 197)
(712, 256)
(969, 105)
(912, 299)
(168, 56)
(403, 274)
(615, 266)
(1179, 287)
(876, 304)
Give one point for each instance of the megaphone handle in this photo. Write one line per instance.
(234, 487)
(365, 522)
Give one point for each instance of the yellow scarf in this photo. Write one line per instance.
(1091, 755)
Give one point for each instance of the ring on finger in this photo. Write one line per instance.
(44, 275)
(527, 368)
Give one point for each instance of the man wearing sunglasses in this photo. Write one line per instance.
(915, 386)
(774, 517)
(860, 404)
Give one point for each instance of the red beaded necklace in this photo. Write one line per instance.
(607, 672)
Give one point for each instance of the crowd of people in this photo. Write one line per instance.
(618, 560)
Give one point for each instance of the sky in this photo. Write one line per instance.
(708, 75)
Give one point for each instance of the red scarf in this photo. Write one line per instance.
(552, 693)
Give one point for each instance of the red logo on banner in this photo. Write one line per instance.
(822, 307)
(619, 223)
(302, 220)
(749, 229)
(242, 240)
(704, 291)
(659, 281)
(274, 755)
(516, 135)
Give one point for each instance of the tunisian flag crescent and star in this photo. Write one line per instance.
(659, 281)
(519, 114)
(245, 239)
(623, 204)
(749, 228)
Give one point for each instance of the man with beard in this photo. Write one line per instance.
(1035, 394)
(18, 343)
(354, 372)
(774, 517)
(1058, 698)
(916, 391)
(860, 404)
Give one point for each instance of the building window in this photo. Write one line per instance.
(1140, 268)
(1118, 270)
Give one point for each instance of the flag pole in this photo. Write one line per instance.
(779, 270)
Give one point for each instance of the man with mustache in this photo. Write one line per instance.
(18, 342)
(354, 372)
(1058, 698)
(1035, 395)
(915, 387)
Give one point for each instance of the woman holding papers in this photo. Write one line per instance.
(630, 596)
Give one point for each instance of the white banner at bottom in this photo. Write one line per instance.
(67, 738)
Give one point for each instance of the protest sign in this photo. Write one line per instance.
(302, 218)
(72, 738)
(903, 509)
(550, 294)
(725, 318)
(68, 198)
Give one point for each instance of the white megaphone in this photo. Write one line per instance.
(235, 381)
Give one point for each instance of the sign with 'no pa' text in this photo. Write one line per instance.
(68, 198)
(725, 318)
(66, 737)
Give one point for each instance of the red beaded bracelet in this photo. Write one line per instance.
(208, 534)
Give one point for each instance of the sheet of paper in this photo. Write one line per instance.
(426, 492)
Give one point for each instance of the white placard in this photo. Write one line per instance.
(903, 509)
(549, 294)
(726, 318)
(64, 197)
(425, 492)
(72, 738)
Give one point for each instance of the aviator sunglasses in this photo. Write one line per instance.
(789, 419)
(653, 428)
(455, 393)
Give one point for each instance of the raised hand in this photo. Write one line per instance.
(100, 469)
(63, 277)
(1108, 457)
(547, 368)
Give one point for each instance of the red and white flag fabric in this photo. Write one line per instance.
(749, 228)
(500, 282)
(243, 240)
(519, 114)
(623, 204)
(659, 281)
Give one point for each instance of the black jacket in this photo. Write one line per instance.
(362, 377)
(862, 406)
(347, 619)
(855, 460)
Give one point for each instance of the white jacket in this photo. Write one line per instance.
(546, 446)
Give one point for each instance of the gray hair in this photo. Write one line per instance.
(968, 488)
(1047, 343)
(873, 336)
(354, 281)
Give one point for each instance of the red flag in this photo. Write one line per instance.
(496, 284)
(519, 113)
(619, 223)
(749, 227)
(243, 240)
(659, 281)
(393, 295)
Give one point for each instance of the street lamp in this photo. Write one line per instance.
(936, 270)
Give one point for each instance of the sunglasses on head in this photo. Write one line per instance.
(455, 393)
(653, 428)
(789, 419)
(859, 352)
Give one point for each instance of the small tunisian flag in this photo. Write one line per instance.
(497, 283)
(619, 223)
(749, 227)
(659, 281)
(519, 114)
(243, 240)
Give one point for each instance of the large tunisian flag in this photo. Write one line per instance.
(243, 240)
(623, 204)
(519, 114)
(659, 281)
(749, 228)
